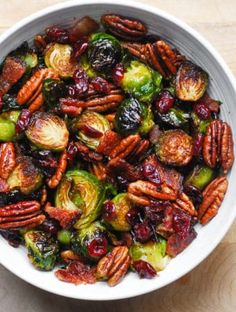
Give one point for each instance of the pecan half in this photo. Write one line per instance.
(25, 214)
(158, 55)
(61, 168)
(69, 256)
(7, 159)
(218, 146)
(123, 27)
(184, 202)
(213, 196)
(99, 170)
(31, 92)
(114, 265)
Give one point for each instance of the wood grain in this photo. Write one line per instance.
(209, 287)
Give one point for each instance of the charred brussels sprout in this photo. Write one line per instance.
(90, 127)
(8, 125)
(104, 52)
(59, 57)
(191, 82)
(47, 131)
(91, 242)
(25, 176)
(53, 90)
(43, 249)
(200, 177)
(121, 205)
(200, 126)
(84, 192)
(133, 116)
(141, 81)
(174, 118)
(174, 147)
(151, 252)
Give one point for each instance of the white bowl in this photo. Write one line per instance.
(222, 87)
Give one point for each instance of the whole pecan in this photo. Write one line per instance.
(123, 27)
(25, 214)
(7, 159)
(114, 265)
(184, 202)
(218, 146)
(213, 196)
(61, 168)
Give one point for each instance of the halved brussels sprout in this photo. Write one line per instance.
(47, 131)
(43, 249)
(104, 52)
(53, 89)
(133, 116)
(91, 241)
(151, 252)
(191, 82)
(25, 176)
(121, 205)
(200, 126)
(141, 81)
(200, 177)
(59, 57)
(8, 125)
(174, 118)
(90, 127)
(86, 193)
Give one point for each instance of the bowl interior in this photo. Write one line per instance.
(221, 87)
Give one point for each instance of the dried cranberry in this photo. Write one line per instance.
(142, 232)
(57, 34)
(181, 222)
(154, 215)
(50, 226)
(202, 111)
(72, 150)
(194, 193)
(197, 144)
(176, 243)
(127, 239)
(109, 210)
(151, 173)
(23, 120)
(118, 74)
(80, 47)
(144, 269)
(122, 183)
(81, 81)
(1, 103)
(90, 131)
(101, 85)
(97, 247)
(46, 161)
(164, 102)
(132, 216)
(12, 236)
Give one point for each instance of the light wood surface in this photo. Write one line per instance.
(211, 286)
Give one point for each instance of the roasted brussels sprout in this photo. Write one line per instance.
(174, 118)
(59, 57)
(121, 205)
(174, 147)
(200, 177)
(90, 127)
(43, 249)
(85, 192)
(91, 241)
(25, 176)
(104, 52)
(64, 237)
(47, 131)
(133, 116)
(191, 82)
(151, 252)
(53, 90)
(8, 125)
(199, 125)
(141, 81)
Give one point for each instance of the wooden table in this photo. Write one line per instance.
(211, 286)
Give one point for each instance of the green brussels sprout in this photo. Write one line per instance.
(200, 126)
(90, 127)
(47, 131)
(174, 118)
(9, 102)
(133, 116)
(151, 252)
(121, 206)
(64, 237)
(104, 52)
(25, 176)
(191, 82)
(85, 192)
(200, 177)
(8, 125)
(91, 241)
(43, 249)
(141, 81)
(53, 89)
(59, 57)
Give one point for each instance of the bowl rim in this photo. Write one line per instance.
(150, 9)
